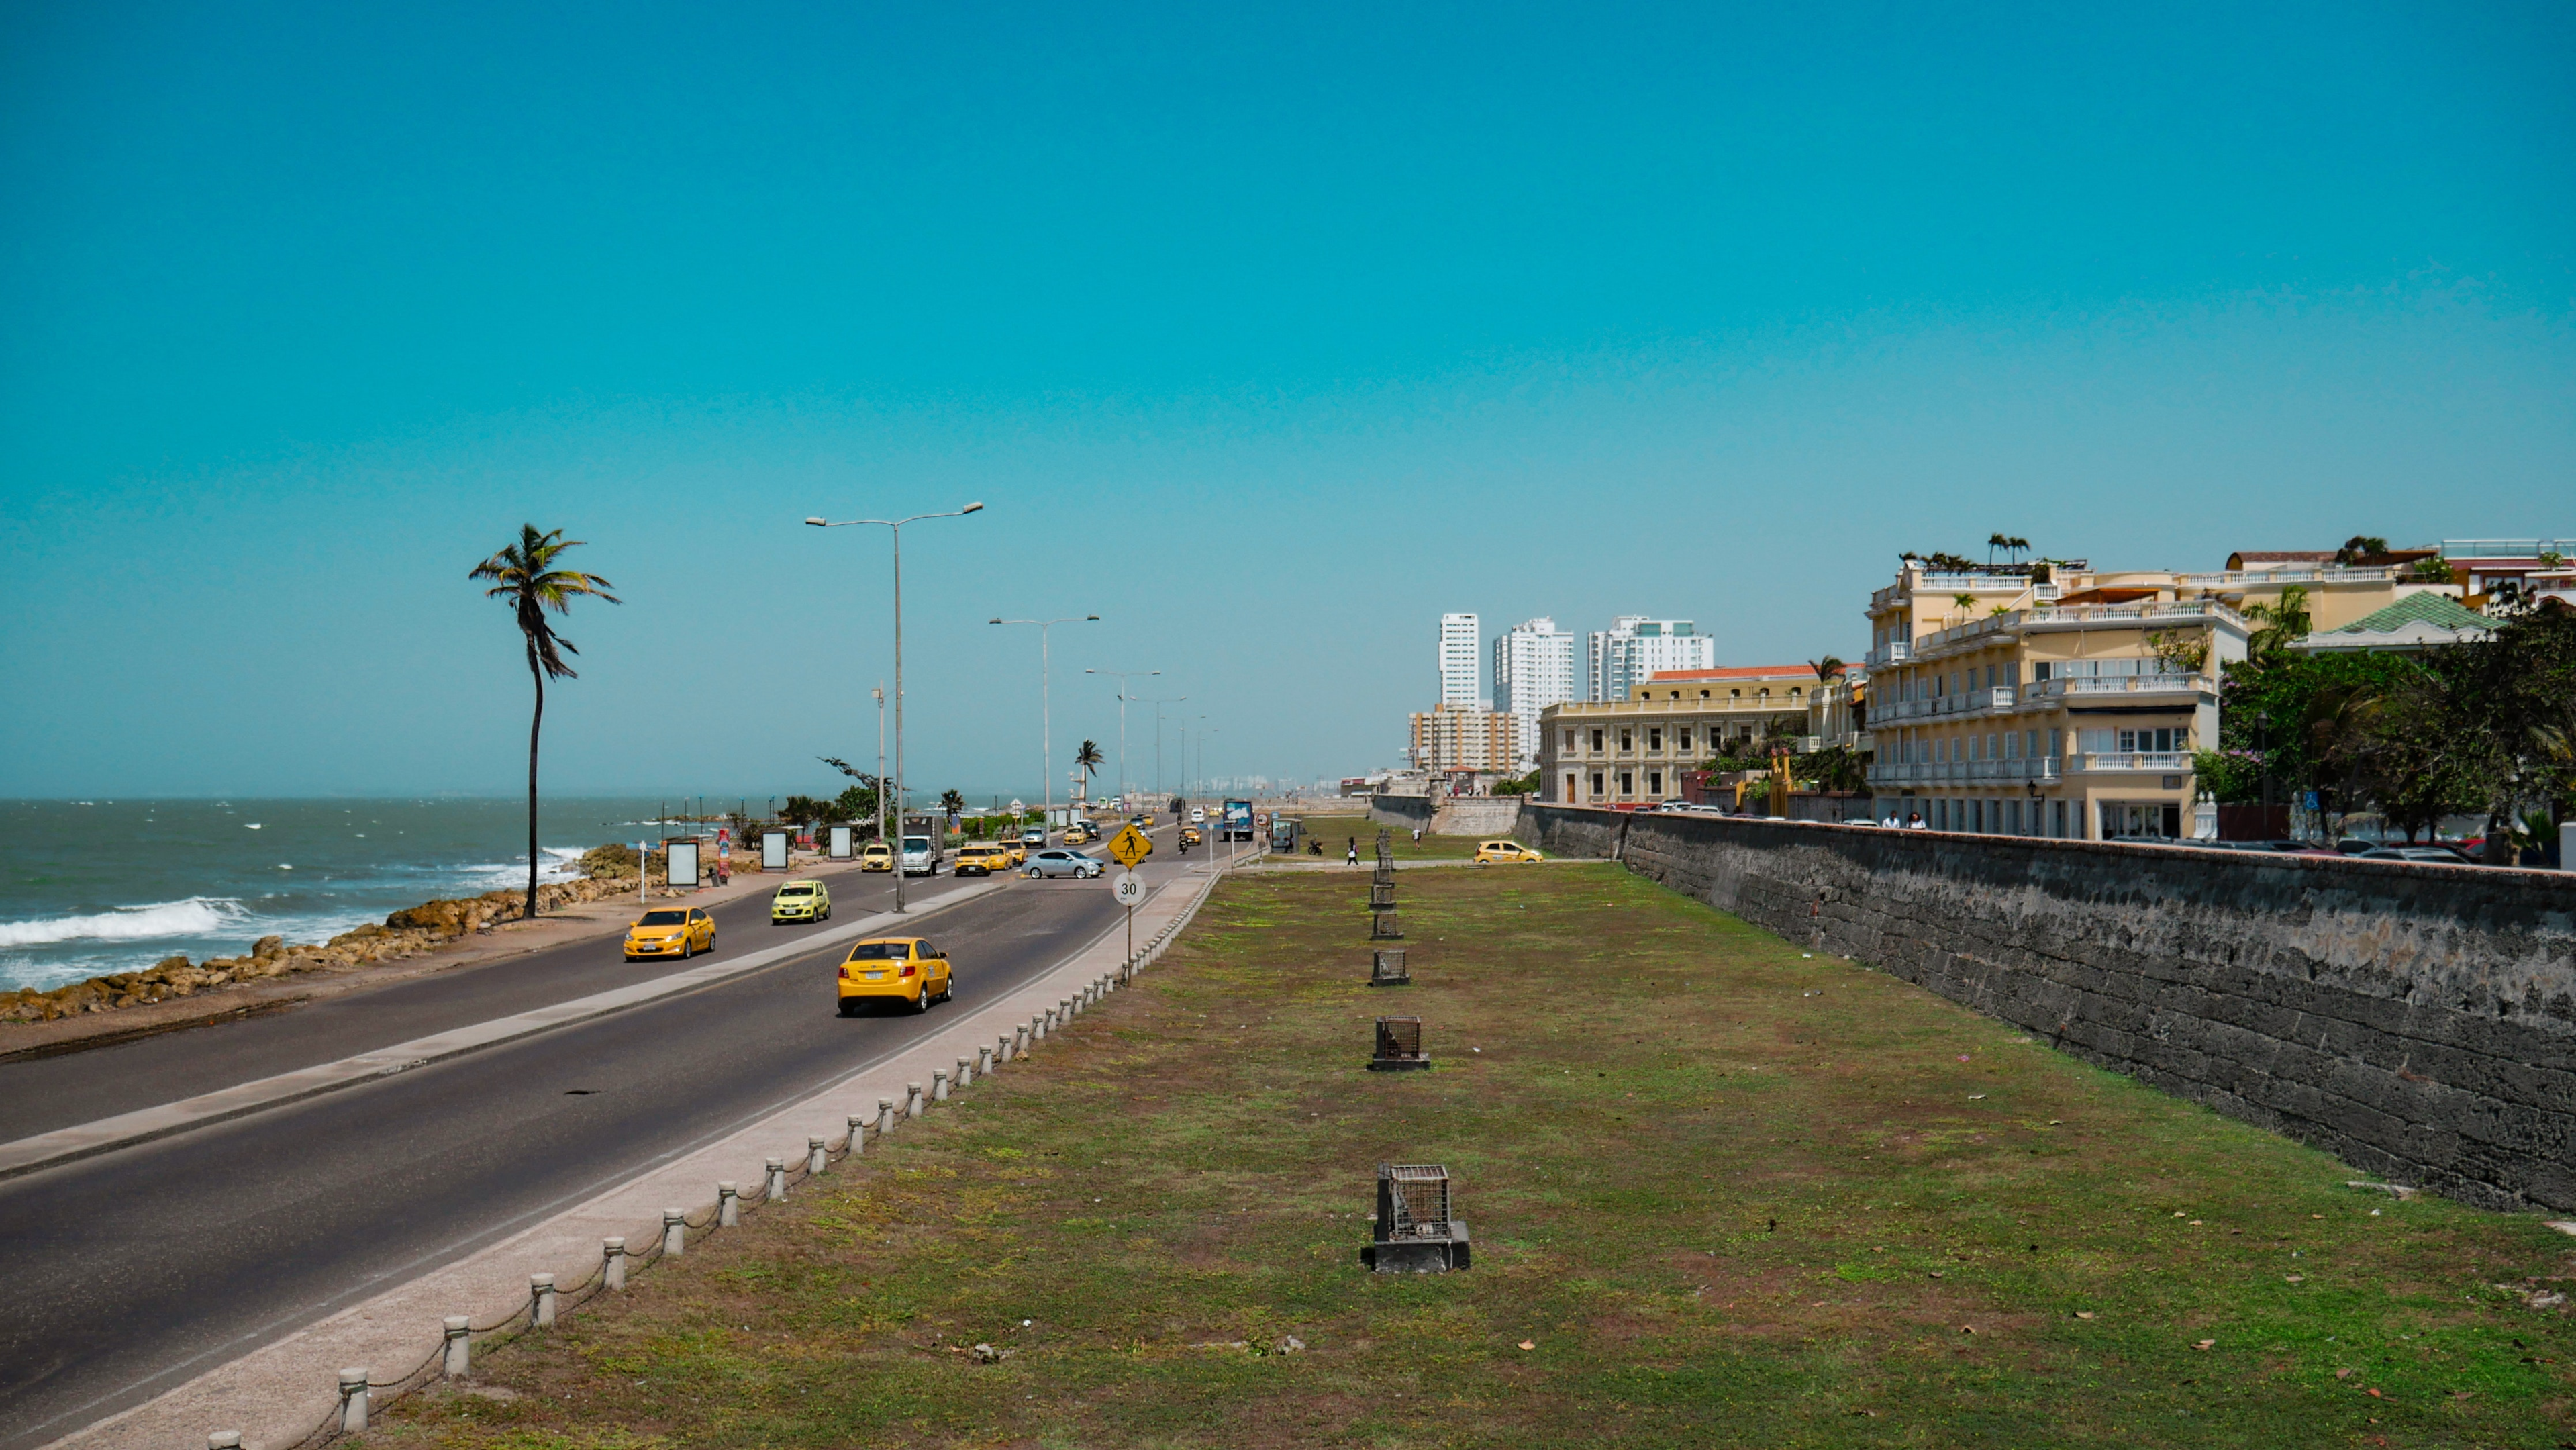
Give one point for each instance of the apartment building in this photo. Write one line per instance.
(1533, 669)
(1447, 740)
(1635, 646)
(1631, 752)
(1459, 637)
(2065, 704)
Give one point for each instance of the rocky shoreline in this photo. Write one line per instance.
(606, 871)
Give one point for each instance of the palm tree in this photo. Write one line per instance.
(525, 575)
(1994, 542)
(1089, 758)
(2017, 544)
(1828, 668)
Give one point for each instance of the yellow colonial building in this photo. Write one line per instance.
(1632, 752)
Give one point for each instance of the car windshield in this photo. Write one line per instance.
(795, 890)
(879, 951)
(663, 918)
(916, 843)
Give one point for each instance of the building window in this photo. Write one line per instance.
(1654, 782)
(1703, 694)
(1569, 742)
(1596, 785)
(1596, 743)
(1627, 740)
(2012, 818)
(2057, 813)
(1681, 739)
(1569, 785)
(1655, 739)
(2056, 745)
(2012, 751)
(1627, 782)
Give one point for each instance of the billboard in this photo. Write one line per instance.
(843, 842)
(683, 858)
(773, 850)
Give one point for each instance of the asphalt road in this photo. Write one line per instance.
(130, 1273)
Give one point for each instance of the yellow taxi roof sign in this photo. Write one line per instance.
(1130, 846)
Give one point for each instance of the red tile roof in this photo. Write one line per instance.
(1734, 672)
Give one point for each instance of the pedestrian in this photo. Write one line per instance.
(1417, 835)
(1354, 857)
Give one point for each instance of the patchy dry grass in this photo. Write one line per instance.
(1729, 1194)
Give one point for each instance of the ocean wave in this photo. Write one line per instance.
(554, 863)
(195, 916)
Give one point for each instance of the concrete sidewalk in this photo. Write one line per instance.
(278, 1393)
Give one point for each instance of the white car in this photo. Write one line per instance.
(1198, 815)
(1061, 862)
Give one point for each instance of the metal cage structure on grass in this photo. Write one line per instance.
(1399, 1046)
(1417, 1230)
(1386, 968)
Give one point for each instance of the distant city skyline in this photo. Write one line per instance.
(1264, 336)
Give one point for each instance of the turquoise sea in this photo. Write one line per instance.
(95, 886)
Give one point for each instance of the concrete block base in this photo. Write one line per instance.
(1419, 1256)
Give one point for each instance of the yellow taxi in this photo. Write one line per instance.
(1017, 850)
(800, 901)
(876, 856)
(1081, 833)
(981, 858)
(903, 969)
(671, 931)
(1190, 836)
(1491, 853)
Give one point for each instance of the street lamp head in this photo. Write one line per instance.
(1092, 617)
(818, 523)
(970, 508)
(992, 621)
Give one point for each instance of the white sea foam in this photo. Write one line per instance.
(554, 863)
(196, 916)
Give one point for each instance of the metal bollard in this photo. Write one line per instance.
(914, 1104)
(224, 1440)
(541, 1300)
(728, 1204)
(353, 1401)
(675, 1232)
(965, 1071)
(939, 1085)
(777, 1180)
(612, 1264)
(983, 1062)
(818, 1156)
(858, 1135)
(885, 1115)
(460, 1347)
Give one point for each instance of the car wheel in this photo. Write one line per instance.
(922, 1003)
(848, 1007)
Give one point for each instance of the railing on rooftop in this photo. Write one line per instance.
(2131, 760)
(2118, 685)
(2506, 548)
(2293, 574)
(2040, 769)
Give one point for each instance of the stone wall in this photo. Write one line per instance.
(1403, 812)
(1477, 815)
(2417, 1021)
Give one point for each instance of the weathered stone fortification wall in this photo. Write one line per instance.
(2417, 1021)
(1477, 815)
(1403, 812)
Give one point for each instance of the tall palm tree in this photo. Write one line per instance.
(1994, 542)
(1089, 758)
(525, 576)
(1829, 668)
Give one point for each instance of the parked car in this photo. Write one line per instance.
(671, 931)
(2438, 855)
(800, 901)
(895, 969)
(982, 858)
(876, 856)
(1061, 862)
(1493, 853)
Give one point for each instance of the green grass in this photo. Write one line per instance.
(1336, 832)
(1731, 1195)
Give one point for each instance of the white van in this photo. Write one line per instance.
(918, 857)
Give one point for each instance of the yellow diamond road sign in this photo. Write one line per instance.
(1129, 847)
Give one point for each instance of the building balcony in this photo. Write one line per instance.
(2135, 762)
(1999, 697)
(2037, 769)
(2080, 687)
(1891, 653)
(2181, 611)
(2306, 574)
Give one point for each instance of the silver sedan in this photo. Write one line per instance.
(1060, 862)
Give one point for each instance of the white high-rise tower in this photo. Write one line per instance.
(1635, 646)
(1459, 637)
(1533, 669)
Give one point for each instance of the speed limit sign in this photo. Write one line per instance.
(1129, 889)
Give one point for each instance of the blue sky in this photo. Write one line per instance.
(1267, 334)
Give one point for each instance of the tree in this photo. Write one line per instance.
(2279, 623)
(1089, 758)
(524, 575)
(951, 802)
(2360, 547)
(1831, 667)
(1994, 542)
(804, 810)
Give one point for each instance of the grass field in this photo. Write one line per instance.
(1723, 1194)
(1336, 832)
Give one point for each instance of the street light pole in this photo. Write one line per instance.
(895, 527)
(1046, 709)
(879, 694)
(1121, 676)
(1158, 743)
